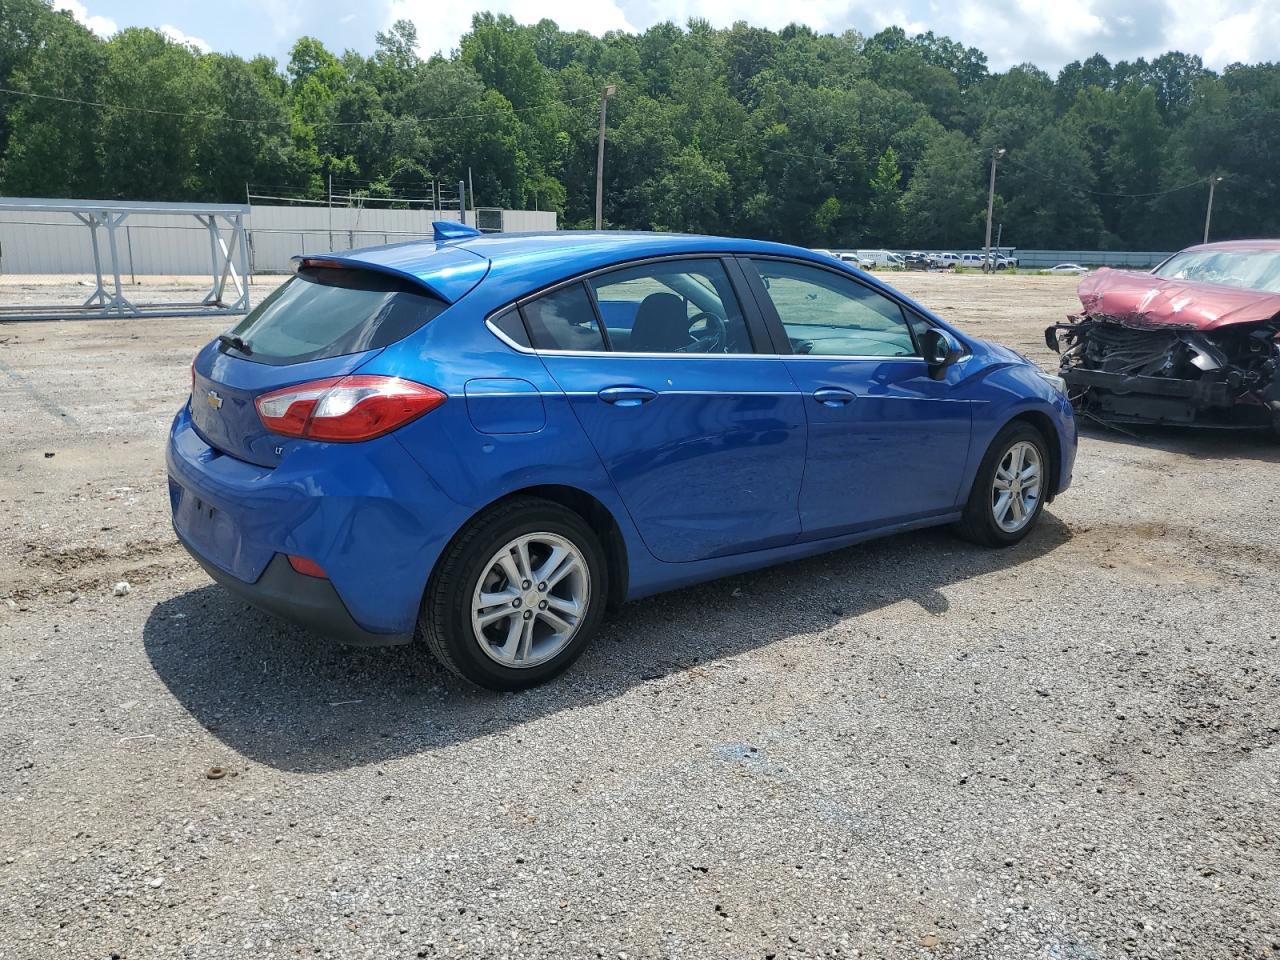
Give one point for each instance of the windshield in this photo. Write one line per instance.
(325, 312)
(1247, 269)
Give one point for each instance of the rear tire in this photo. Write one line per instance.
(1003, 505)
(516, 596)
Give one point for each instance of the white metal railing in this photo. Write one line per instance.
(228, 252)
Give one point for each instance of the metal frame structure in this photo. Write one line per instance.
(228, 259)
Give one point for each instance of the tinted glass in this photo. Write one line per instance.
(563, 320)
(672, 306)
(825, 313)
(321, 313)
(512, 326)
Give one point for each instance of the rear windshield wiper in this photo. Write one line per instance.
(231, 340)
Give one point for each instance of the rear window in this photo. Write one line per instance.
(324, 312)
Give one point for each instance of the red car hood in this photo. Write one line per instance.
(1143, 300)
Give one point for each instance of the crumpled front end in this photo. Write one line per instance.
(1126, 365)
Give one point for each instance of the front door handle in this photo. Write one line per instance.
(832, 396)
(627, 396)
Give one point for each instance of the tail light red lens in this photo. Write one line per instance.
(346, 409)
(306, 567)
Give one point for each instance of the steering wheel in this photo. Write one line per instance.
(715, 338)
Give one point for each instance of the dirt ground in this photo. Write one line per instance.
(915, 747)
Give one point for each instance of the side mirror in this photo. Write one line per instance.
(940, 351)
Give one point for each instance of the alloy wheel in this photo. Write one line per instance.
(1015, 491)
(530, 600)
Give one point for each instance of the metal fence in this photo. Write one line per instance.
(153, 245)
(95, 235)
(1044, 259)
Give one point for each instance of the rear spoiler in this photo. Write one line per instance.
(445, 269)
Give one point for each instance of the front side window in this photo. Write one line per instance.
(563, 320)
(671, 306)
(826, 314)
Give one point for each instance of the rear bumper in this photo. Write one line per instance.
(307, 601)
(367, 513)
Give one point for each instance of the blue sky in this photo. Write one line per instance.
(1048, 33)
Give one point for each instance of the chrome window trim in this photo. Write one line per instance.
(701, 255)
(689, 356)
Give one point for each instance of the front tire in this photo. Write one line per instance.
(1009, 488)
(516, 596)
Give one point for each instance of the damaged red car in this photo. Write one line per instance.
(1196, 341)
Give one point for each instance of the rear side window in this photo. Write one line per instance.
(672, 306)
(563, 320)
(325, 312)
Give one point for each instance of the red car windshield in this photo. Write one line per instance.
(1246, 269)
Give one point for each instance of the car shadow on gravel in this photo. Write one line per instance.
(280, 696)
(1198, 443)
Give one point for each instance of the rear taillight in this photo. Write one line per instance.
(307, 567)
(346, 409)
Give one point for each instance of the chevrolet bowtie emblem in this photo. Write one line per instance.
(215, 401)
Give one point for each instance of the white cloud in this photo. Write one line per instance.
(177, 36)
(102, 26)
(1228, 31)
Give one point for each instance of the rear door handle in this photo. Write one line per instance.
(627, 396)
(832, 396)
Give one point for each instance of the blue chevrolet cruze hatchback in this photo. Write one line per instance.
(485, 441)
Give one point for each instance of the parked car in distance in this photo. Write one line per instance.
(862, 263)
(882, 258)
(946, 261)
(486, 440)
(1194, 342)
(915, 260)
(1069, 268)
(977, 261)
(846, 256)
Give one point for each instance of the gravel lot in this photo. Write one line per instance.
(910, 748)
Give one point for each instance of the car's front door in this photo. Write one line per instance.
(704, 439)
(887, 443)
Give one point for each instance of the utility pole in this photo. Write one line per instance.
(330, 210)
(462, 201)
(1208, 212)
(991, 204)
(608, 92)
(471, 192)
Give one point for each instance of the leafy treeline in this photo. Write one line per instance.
(795, 135)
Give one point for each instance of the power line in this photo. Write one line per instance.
(1103, 193)
(151, 111)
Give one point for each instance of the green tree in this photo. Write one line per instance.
(1049, 189)
(886, 207)
(944, 203)
(51, 144)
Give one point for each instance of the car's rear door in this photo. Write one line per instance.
(703, 437)
(887, 443)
